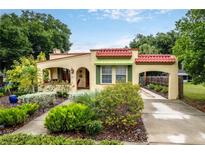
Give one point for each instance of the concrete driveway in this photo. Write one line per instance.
(172, 122)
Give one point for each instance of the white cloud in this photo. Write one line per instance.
(118, 14)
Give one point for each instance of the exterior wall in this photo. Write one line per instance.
(88, 61)
(71, 63)
(172, 70)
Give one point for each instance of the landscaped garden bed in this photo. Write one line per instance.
(14, 116)
(158, 89)
(113, 113)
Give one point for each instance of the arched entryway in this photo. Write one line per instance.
(83, 78)
(155, 81)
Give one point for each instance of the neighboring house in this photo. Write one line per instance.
(102, 67)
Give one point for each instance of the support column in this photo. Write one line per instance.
(173, 86)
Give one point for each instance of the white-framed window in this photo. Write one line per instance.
(106, 74)
(121, 74)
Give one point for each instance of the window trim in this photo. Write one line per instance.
(101, 74)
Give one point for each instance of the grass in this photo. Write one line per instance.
(194, 92)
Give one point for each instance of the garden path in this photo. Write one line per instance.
(36, 126)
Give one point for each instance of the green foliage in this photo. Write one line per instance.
(1, 94)
(29, 108)
(93, 127)
(119, 105)
(195, 93)
(161, 43)
(25, 139)
(151, 86)
(110, 142)
(164, 89)
(62, 94)
(147, 49)
(44, 99)
(158, 88)
(17, 115)
(190, 45)
(23, 74)
(68, 117)
(12, 116)
(87, 99)
(30, 33)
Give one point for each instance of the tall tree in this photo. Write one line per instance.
(190, 46)
(30, 33)
(161, 42)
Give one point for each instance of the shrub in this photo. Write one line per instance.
(68, 117)
(158, 88)
(164, 89)
(45, 99)
(93, 127)
(30, 108)
(86, 98)
(151, 86)
(12, 116)
(17, 115)
(120, 104)
(110, 142)
(25, 139)
(62, 94)
(1, 94)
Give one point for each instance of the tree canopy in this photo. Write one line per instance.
(190, 46)
(30, 33)
(160, 43)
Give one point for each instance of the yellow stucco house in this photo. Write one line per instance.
(101, 67)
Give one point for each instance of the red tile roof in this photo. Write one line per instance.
(113, 52)
(155, 58)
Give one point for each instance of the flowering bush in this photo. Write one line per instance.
(119, 105)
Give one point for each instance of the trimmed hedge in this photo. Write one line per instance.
(24, 139)
(17, 115)
(68, 117)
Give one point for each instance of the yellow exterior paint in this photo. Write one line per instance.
(87, 60)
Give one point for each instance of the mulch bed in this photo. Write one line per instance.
(132, 134)
(196, 104)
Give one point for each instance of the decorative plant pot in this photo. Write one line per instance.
(13, 99)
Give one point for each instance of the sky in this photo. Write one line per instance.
(93, 29)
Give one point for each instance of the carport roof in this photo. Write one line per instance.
(155, 58)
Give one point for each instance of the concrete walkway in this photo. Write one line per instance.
(36, 126)
(172, 122)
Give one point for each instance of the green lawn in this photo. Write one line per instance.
(194, 92)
